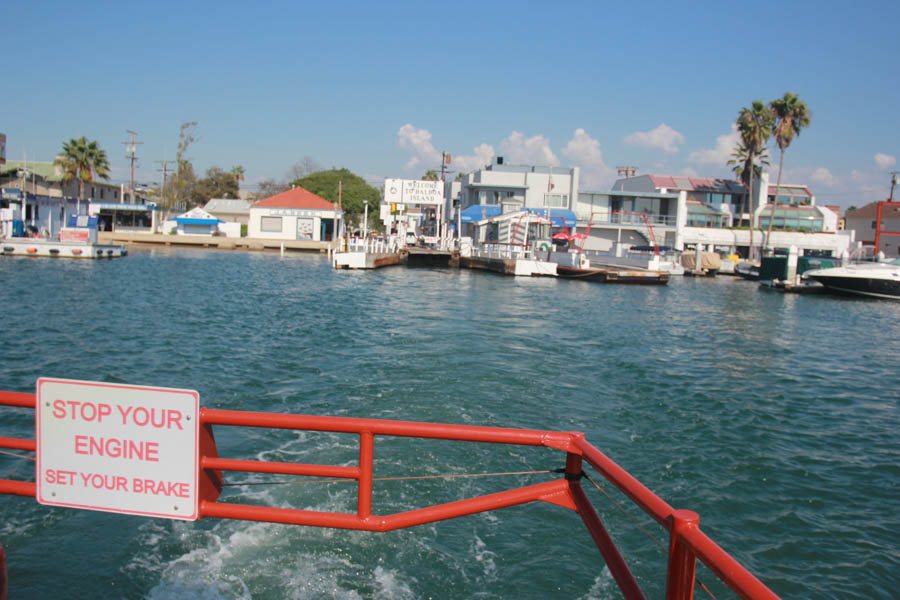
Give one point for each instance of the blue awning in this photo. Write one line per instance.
(188, 221)
(557, 215)
(478, 212)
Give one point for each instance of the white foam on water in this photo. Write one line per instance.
(485, 557)
(604, 587)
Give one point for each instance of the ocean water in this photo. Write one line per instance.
(774, 416)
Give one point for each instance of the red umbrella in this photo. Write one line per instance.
(579, 236)
(562, 235)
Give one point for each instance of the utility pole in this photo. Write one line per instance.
(165, 172)
(130, 148)
(893, 183)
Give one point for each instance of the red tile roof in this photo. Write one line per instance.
(296, 198)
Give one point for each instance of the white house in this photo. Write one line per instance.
(863, 222)
(296, 214)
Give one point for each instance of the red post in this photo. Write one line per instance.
(682, 560)
(366, 456)
(878, 229)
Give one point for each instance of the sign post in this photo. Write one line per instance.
(118, 448)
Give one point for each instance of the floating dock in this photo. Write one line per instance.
(58, 249)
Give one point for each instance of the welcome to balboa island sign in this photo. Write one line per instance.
(413, 191)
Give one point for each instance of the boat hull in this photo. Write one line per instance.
(860, 286)
(614, 276)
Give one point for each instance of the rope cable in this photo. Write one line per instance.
(410, 477)
(7, 453)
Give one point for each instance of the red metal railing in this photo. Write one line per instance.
(687, 541)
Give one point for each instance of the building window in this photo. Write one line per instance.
(101, 193)
(270, 224)
(92, 192)
(556, 200)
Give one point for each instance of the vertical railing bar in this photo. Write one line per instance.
(614, 559)
(366, 468)
(682, 567)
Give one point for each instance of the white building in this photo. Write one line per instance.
(296, 214)
(500, 188)
(863, 222)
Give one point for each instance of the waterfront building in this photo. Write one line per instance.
(194, 222)
(46, 179)
(296, 214)
(714, 214)
(863, 222)
(500, 189)
(229, 210)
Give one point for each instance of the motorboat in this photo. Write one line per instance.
(875, 279)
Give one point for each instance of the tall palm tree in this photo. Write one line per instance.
(791, 115)
(740, 159)
(81, 159)
(238, 172)
(755, 127)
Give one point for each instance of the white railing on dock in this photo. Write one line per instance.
(502, 251)
(373, 246)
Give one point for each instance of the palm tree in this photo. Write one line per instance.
(755, 127)
(238, 172)
(430, 175)
(81, 159)
(791, 115)
(740, 159)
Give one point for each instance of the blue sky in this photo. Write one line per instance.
(383, 88)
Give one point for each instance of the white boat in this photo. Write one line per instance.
(875, 279)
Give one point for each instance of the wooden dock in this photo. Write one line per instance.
(214, 242)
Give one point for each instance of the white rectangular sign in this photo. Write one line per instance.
(118, 448)
(413, 191)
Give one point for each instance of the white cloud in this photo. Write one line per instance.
(483, 154)
(857, 175)
(585, 151)
(885, 161)
(824, 177)
(663, 137)
(719, 156)
(418, 141)
(517, 149)
(689, 172)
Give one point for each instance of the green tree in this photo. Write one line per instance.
(354, 192)
(184, 179)
(460, 175)
(81, 160)
(754, 125)
(431, 175)
(791, 116)
(216, 184)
